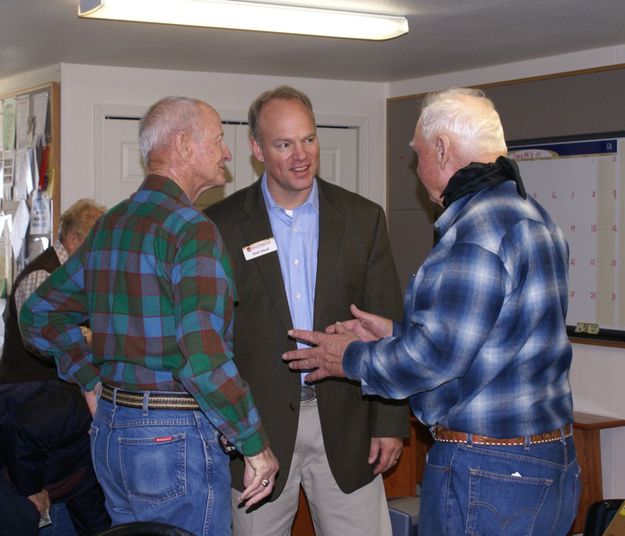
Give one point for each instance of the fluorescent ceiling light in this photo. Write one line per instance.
(249, 16)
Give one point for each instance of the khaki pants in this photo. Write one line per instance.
(361, 513)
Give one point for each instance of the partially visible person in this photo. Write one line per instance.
(19, 514)
(303, 250)
(44, 444)
(482, 351)
(155, 283)
(18, 363)
(44, 421)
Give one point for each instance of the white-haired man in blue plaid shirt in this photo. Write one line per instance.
(482, 351)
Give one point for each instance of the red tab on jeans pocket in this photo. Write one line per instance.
(163, 439)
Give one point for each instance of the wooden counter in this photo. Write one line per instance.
(587, 435)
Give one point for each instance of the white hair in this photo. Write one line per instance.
(477, 129)
(163, 119)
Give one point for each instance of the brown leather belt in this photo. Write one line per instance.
(439, 433)
(156, 399)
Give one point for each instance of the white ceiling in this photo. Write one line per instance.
(445, 36)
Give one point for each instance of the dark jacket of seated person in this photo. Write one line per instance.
(44, 443)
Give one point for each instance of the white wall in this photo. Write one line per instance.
(29, 79)
(597, 372)
(84, 86)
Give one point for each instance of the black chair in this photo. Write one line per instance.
(145, 528)
(600, 515)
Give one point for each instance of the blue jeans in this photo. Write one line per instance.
(61, 522)
(162, 465)
(500, 490)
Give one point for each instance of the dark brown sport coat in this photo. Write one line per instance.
(354, 265)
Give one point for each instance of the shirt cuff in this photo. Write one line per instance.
(355, 364)
(352, 360)
(396, 328)
(252, 444)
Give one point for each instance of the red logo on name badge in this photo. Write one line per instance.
(163, 439)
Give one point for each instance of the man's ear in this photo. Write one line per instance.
(256, 149)
(183, 145)
(442, 145)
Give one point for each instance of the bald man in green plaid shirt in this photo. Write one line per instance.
(155, 283)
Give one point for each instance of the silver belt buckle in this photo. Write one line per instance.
(307, 394)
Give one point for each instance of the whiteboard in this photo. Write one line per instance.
(580, 183)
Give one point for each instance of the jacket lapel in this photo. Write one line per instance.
(255, 228)
(330, 256)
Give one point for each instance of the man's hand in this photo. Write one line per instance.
(87, 334)
(259, 477)
(91, 398)
(41, 501)
(326, 357)
(386, 450)
(366, 326)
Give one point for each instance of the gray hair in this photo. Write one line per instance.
(79, 218)
(163, 119)
(279, 93)
(477, 129)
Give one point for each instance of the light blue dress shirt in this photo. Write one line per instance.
(296, 233)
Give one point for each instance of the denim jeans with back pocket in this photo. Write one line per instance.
(482, 490)
(162, 465)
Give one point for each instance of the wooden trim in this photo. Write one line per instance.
(590, 421)
(55, 133)
(33, 89)
(514, 81)
(597, 342)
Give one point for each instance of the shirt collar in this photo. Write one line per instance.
(60, 251)
(312, 200)
(165, 185)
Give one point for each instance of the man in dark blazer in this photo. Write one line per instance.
(303, 252)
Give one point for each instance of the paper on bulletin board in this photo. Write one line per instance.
(40, 217)
(23, 179)
(7, 171)
(40, 113)
(8, 124)
(20, 226)
(23, 122)
(6, 226)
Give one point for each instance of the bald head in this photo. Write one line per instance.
(166, 117)
(183, 139)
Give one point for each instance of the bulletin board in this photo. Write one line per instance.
(29, 177)
(580, 181)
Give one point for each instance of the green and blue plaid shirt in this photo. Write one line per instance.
(155, 283)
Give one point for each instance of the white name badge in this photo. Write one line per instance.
(259, 248)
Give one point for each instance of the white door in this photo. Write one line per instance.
(339, 156)
(119, 171)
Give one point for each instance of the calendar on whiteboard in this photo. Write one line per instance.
(580, 183)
